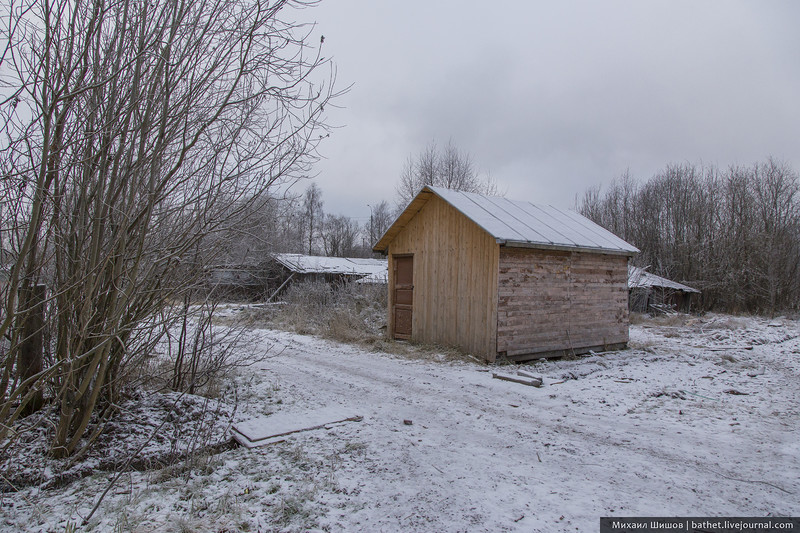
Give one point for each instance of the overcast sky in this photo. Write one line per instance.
(552, 97)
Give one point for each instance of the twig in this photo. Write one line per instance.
(750, 481)
(699, 395)
(34, 507)
(128, 463)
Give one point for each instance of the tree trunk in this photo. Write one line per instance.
(31, 347)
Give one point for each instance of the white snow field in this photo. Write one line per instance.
(700, 417)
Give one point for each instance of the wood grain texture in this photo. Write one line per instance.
(455, 279)
(550, 301)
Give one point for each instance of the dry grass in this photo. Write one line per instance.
(421, 351)
(671, 320)
(727, 322)
(349, 313)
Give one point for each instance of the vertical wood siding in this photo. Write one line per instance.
(550, 300)
(455, 279)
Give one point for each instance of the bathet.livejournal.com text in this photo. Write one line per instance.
(698, 524)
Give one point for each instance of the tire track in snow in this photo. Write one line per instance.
(461, 404)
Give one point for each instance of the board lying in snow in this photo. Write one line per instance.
(261, 431)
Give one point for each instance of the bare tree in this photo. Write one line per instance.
(380, 218)
(777, 191)
(270, 222)
(340, 236)
(449, 168)
(131, 132)
(735, 234)
(313, 216)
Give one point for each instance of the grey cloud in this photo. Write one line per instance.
(554, 97)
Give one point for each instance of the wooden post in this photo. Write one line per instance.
(274, 294)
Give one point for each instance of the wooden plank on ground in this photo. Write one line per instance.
(527, 374)
(260, 431)
(531, 382)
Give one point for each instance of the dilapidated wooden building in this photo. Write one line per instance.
(649, 293)
(504, 279)
(270, 277)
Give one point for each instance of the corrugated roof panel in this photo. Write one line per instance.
(312, 264)
(640, 278)
(476, 208)
(524, 222)
(600, 232)
(529, 228)
(543, 221)
(583, 232)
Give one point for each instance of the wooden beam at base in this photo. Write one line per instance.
(522, 357)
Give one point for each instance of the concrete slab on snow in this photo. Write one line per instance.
(264, 430)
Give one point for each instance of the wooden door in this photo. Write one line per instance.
(403, 295)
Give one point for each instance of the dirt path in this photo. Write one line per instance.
(491, 455)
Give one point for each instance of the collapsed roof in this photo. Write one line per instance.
(639, 278)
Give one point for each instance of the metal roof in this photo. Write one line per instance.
(640, 278)
(312, 264)
(378, 278)
(518, 223)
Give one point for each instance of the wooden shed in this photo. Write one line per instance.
(503, 278)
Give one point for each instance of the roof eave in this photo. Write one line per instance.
(419, 201)
(565, 248)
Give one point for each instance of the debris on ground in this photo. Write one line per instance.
(264, 430)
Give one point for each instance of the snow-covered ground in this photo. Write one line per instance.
(700, 417)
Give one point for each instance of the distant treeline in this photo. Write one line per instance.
(733, 233)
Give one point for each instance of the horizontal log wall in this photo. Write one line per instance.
(455, 279)
(550, 301)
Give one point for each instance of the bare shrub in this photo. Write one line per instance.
(345, 312)
(352, 313)
(132, 133)
(147, 431)
(732, 233)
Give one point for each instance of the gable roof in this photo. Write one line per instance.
(517, 223)
(312, 264)
(639, 278)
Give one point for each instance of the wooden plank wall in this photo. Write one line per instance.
(455, 279)
(551, 300)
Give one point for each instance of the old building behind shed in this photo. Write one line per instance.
(651, 293)
(503, 278)
(271, 277)
(291, 268)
